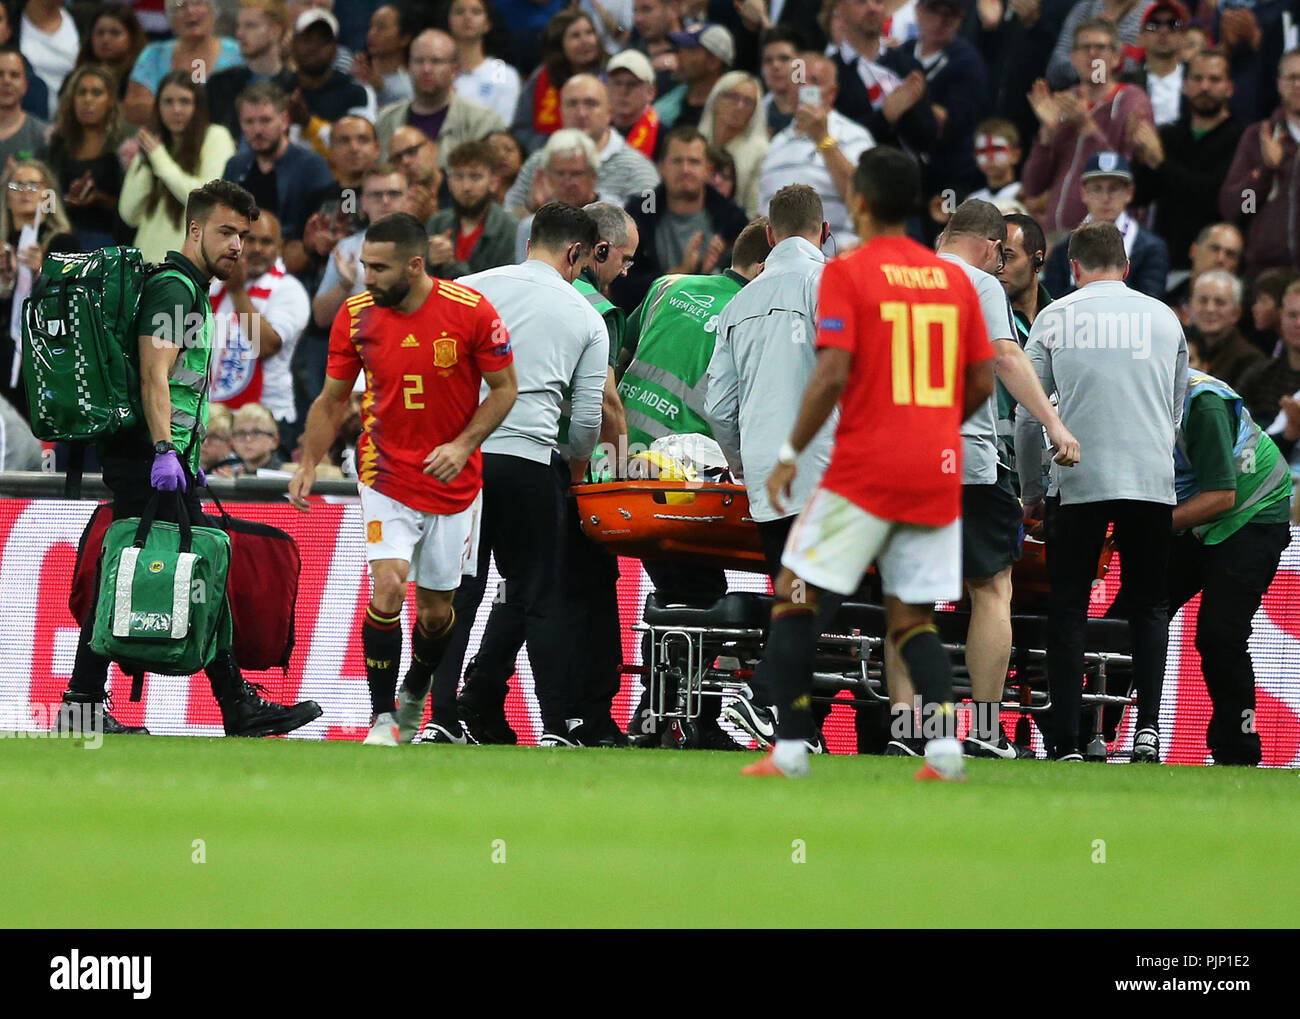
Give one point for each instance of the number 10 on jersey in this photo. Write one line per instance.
(911, 349)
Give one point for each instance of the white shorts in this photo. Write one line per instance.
(440, 547)
(834, 541)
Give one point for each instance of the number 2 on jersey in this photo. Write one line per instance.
(413, 387)
(911, 349)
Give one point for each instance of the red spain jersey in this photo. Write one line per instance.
(423, 376)
(912, 323)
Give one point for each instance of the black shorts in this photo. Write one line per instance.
(992, 527)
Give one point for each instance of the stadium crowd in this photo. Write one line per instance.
(1179, 125)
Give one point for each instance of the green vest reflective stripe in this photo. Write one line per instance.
(188, 380)
(665, 386)
(1263, 476)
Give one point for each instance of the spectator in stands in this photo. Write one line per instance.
(509, 155)
(29, 189)
(37, 100)
(1016, 38)
(652, 21)
(476, 233)
(261, 30)
(115, 40)
(319, 93)
(685, 227)
(624, 172)
(1269, 388)
(997, 154)
(436, 108)
(1099, 114)
(1259, 190)
(704, 53)
(1180, 166)
(22, 135)
(1215, 311)
(196, 47)
(722, 172)
(488, 80)
(891, 106)
(382, 66)
(354, 149)
(956, 91)
(410, 151)
(83, 155)
(1217, 246)
(1126, 15)
(1266, 308)
(733, 122)
(820, 148)
(217, 455)
(49, 39)
(569, 46)
(256, 439)
(284, 177)
(631, 83)
(178, 152)
(384, 191)
(1162, 68)
(525, 23)
(260, 312)
(294, 11)
(1106, 190)
(567, 171)
(778, 52)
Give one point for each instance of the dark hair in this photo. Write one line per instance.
(1035, 240)
(186, 148)
(1098, 246)
(720, 159)
(781, 33)
(494, 43)
(68, 133)
(264, 92)
(977, 218)
(1097, 25)
(1273, 283)
(1212, 52)
(10, 47)
(751, 246)
(559, 224)
(557, 65)
(795, 209)
(403, 230)
(686, 134)
(471, 153)
(124, 15)
(202, 200)
(889, 181)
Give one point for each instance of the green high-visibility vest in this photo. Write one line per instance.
(673, 333)
(188, 379)
(615, 323)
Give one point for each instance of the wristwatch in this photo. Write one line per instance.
(163, 447)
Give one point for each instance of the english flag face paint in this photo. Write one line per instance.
(992, 150)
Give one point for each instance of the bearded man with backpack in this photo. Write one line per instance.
(159, 455)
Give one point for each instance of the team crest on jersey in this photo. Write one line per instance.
(374, 532)
(444, 352)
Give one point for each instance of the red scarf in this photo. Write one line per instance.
(644, 134)
(546, 104)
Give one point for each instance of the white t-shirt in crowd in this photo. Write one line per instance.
(1166, 94)
(52, 56)
(494, 84)
(282, 301)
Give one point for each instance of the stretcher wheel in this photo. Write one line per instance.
(682, 735)
(1096, 750)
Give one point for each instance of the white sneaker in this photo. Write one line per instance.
(409, 713)
(436, 733)
(383, 733)
(1146, 747)
(943, 762)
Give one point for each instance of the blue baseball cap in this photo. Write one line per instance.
(1107, 164)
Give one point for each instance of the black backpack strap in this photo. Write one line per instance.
(76, 467)
(137, 682)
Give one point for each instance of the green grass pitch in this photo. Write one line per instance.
(340, 835)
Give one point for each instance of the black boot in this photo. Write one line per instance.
(81, 714)
(244, 712)
(481, 706)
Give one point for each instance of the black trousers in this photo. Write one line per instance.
(128, 480)
(1231, 578)
(590, 616)
(521, 528)
(1075, 535)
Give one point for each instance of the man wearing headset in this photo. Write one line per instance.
(1021, 277)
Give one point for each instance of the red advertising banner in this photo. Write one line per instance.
(38, 637)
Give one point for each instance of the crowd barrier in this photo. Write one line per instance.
(38, 543)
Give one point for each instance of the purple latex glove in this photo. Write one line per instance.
(202, 479)
(167, 474)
